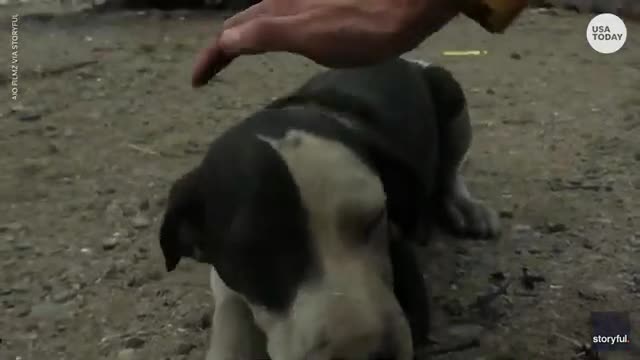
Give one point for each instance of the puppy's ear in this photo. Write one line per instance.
(183, 220)
(406, 189)
(447, 92)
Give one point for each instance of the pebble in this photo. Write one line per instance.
(110, 243)
(602, 288)
(184, 348)
(453, 307)
(23, 246)
(140, 222)
(466, 331)
(134, 342)
(126, 354)
(520, 228)
(25, 113)
(634, 240)
(506, 214)
(23, 311)
(14, 226)
(30, 116)
(587, 244)
(555, 227)
(144, 205)
(515, 56)
(50, 311)
(63, 296)
(5, 291)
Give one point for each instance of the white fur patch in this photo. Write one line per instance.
(422, 63)
(234, 334)
(350, 312)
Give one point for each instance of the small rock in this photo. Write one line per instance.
(552, 228)
(30, 116)
(155, 275)
(140, 222)
(50, 311)
(106, 191)
(634, 241)
(135, 281)
(558, 248)
(144, 205)
(126, 354)
(14, 226)
(184, 348)
(506, 214)
(23, 311)
(534, 250)
(63, 296)
(110, 243)
(460, 250)
(587, 244)
(515, 56)
(134, 343)
(26, 114)
(453, 307)
(636, 156)
(603, 288)
(490, 91)
(587, 295)
(521, 228)
(5, 291)
(498, 276)
(466, 331)
(206, 318)
(23, 246)
(53, 148)
(547, 11)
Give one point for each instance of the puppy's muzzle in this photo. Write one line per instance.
(386, 351)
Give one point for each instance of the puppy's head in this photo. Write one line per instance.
(306, 244)
(345, 308)
(183, 224)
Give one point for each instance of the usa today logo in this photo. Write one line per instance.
(606, 33)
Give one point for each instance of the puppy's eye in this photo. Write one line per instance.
(377, 227)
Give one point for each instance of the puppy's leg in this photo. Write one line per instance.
(234, 335)
(410, 290)
(463, 215)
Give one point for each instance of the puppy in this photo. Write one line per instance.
(305, 209)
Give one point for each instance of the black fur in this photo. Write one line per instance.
(241, 209)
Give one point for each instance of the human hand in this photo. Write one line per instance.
(333, 33)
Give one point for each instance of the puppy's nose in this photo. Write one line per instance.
(385, 352)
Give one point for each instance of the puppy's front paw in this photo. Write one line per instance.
(468, 217)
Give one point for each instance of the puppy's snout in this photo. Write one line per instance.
(386, 350)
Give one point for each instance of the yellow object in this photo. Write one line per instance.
(465, 53)
(493, 15)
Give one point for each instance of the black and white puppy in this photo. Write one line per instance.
(304, 208)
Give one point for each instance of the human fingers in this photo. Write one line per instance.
(312, 33)
(249, 13)
(211, 61)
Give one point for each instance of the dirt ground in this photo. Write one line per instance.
(105, 120)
